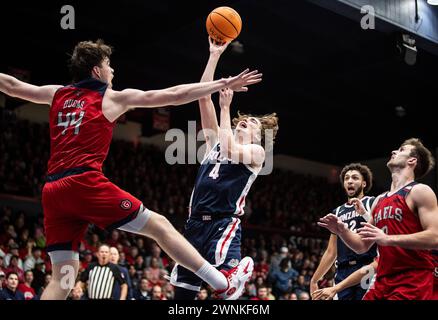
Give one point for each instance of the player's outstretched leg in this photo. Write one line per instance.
(64, 273)
(227, 284)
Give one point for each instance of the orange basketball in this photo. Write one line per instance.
(223, 24)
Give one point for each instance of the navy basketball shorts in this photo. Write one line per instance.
(218, 241)
(353, 293)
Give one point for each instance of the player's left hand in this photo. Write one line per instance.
(324, 294)
(372, 233)
(225, 97)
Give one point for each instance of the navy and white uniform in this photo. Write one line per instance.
(213, 227)
(347, 260)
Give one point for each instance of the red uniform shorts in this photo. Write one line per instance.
(73, 202)
(435, 286)
(416, 284)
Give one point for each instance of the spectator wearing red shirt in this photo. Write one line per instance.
(13, 267)
(261, 268)
(157, 293)
(156, 253)
(26, 287)
(262, 293)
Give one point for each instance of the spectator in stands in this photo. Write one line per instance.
(47, 279)
(202, 294)
(141, 247)
(261, 267)
(10, 291)
(26, 286)
(293, 296)
(283, 277)
(115, 238)
(40, 238)
(156, 253)
(2, 278)
(13, 267)
(38, 277)
(304, 296)
(114, 258)
(278, 257)
(157, 293)
(13, 251)
(33, 258)
(143, 291)
(153, 273)
(262, 293)
(88, 258)
(300, 286)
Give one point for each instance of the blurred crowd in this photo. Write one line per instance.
(286, 249)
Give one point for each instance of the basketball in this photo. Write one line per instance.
(224, 24)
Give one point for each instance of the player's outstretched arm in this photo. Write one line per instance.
(366, 272)
(424, 199)
(19, 89)
(350, 238)
(250, 154)
(118, 102)
(206, 107)
(327, 260)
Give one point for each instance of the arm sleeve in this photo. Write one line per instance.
(369, 203)
(86, 273)
(118, 275)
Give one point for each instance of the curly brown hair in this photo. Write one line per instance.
(86, 55)
(363, 170)
(425, 159)
(268, 121)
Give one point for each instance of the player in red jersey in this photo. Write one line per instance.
(404, 224)
(435, 275)
(82, 118)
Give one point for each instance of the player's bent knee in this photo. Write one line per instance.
(138, 224)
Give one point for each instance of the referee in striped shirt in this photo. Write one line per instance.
(101, 277)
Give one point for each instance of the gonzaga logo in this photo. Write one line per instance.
(233, 263)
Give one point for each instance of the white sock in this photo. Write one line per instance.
(212, 276)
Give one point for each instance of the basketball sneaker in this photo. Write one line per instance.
(237, 278)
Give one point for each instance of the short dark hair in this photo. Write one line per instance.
(86, 55)
(425, 159)
(10, 274)
(363, 170)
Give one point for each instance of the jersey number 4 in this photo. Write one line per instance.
(214, 173)
(70, 121)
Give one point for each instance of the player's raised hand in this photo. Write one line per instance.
(358, 206)
(225, 97)
(370, 232)
(240, 82)
(217, 48)
(333, 224)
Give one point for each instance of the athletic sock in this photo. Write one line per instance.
(212, 276)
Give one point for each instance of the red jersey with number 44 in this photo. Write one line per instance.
(393, 216)
(80, 135)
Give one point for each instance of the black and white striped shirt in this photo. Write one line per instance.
(101, 280)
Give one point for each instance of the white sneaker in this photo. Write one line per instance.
(237, 278)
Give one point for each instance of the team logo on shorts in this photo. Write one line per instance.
(436, 272)
(126, 204)
(233, 263)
